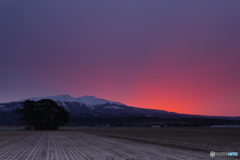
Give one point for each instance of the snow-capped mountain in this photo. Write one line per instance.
(90, 106)
(89, 101)
(93, 107)
(59, 98)
(93, 101)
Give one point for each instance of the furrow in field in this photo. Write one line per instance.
(10, 138)
(113, 148)
(68, 146)
(61, 145)
(90, 146)
(80, 148)
(53, 151)
(63, 150)
(22, 151)
(42, 148)
(35, 148)
(137, 150)
(16, 148)
(56, 150)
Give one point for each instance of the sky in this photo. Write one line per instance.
(179, 56)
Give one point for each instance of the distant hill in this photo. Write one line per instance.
(88, 109)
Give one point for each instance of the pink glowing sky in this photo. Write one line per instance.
(181, 56)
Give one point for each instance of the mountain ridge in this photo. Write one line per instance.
(93, 107)
(88, 100)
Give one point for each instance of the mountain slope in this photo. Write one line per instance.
(87, 106)
(92, 107)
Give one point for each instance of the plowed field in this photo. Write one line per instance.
(64, 145)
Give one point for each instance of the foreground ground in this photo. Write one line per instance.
(120, 143)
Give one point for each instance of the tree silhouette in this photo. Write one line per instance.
(44, 114)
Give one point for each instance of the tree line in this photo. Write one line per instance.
(44, 114)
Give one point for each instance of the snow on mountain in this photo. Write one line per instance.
(94, 101)
(90, 106)
(112, 107)
(89, 101)
(59, 98)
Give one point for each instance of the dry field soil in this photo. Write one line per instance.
(92, 143)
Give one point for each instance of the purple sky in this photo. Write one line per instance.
(181, 56)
